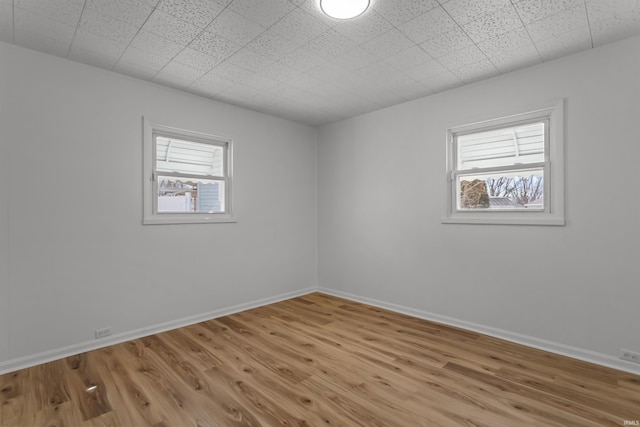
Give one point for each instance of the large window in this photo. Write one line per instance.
(507, 170)
(187, 176)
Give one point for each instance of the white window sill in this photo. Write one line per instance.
(490, 219)
(188, 219)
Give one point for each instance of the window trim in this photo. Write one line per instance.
(553, 213)
(150, 208)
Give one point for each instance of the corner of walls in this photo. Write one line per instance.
(4, 222)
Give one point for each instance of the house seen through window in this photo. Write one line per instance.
(190, 176)
(502, 168)
(187, 176)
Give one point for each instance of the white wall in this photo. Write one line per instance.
(71, 144)
(381, 194)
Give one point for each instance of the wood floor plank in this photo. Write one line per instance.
(318, 360)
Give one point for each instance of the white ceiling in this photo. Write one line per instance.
(286, 58)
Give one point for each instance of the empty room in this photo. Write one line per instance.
(319, 213)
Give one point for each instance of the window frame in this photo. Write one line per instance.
(553, 168)
(150, 182)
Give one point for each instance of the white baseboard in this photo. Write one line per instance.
(541, 344)
(59, 353)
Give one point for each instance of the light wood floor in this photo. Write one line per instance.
(318, 360)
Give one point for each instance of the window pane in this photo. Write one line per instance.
(521, 190)
(188, 157)
(502, 147)
(188, 195)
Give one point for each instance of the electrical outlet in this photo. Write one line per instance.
(629, 355)
(104, 332)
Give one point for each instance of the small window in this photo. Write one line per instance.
(507, 170)
(187, 176)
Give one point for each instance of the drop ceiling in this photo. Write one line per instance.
(284, 57)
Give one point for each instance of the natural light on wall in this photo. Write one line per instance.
(344, 9)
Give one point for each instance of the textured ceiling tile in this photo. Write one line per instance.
(510, 60)
(292, 93)
(197, 12)
(265, 13)
(564, 44)
(236, 27)
(377, 71)
(599, 10)
(535, 10)
(145, 41)
(428, 25)
(250, 60)
(303, 81)
(272, 45)
(6, 21)
(463, 11)
(106, 26)
(493, 24)
(302, 60)
(326, 69)
(476, 71)
(411, 90)
(612, 29)
(256, 81)
(448, 42)
(462, 57)
(177, 75)
(211, 83)
(408, 59)
(64, 11)
(330, 44)
(330, 93)
(223, 3)
(398, 81)
(280, 72)
(171, 28)
(133, 13)
(299, 27)
(441, 82)
(196, 60)
(364, 27)
(355, 59)
(336, 75)
(214, 45)
(239, 91)
(506, 42)
(387, 44)
(563, 22)
(426, 70)
(400, 11)
(231, 72)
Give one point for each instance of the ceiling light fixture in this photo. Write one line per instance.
(344, 9)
